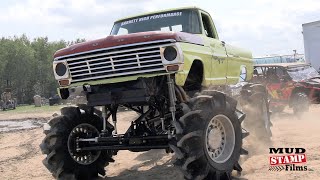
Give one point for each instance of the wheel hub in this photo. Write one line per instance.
(215, 137)
(220, 139)
(82, 131)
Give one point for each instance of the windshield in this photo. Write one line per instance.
(302, 73)
(176, 21)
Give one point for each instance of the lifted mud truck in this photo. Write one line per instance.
(296, 85)
(158, 65)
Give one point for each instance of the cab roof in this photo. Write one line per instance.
(286, 65)
(161, 11)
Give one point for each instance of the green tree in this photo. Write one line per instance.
(26, 66)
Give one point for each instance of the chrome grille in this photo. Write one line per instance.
(116, 62)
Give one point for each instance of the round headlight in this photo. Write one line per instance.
(170, 53)
(61, 69)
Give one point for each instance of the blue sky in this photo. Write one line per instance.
(264, 26)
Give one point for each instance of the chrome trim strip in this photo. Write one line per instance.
(153, 60)
(110, 66)
(70, 68)
(144, 57)
(121, 74)
(79, 62)
(82, 70)
(115, 70)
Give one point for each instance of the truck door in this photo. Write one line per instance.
(240, 65)
(218, 62)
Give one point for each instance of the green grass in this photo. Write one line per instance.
(32, 109)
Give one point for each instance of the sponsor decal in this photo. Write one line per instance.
(151, 17)
(287, 159)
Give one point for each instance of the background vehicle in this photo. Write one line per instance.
(311, 37)
(7, 101)
(280, 59)
(158, 65)
(293, 84)
(54, 100)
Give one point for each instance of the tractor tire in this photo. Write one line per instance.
(209, 143)
(62, 160)
(255, 104)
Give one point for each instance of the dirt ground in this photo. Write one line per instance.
(20, 156)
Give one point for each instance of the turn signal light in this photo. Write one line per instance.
(173, 68)
(64, 82)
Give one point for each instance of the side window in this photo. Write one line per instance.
(258, 71)
(258, 76)
(272, 76)
(208, 28)
(264, 71)
(279, 72)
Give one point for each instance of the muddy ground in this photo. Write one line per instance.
(20, 156)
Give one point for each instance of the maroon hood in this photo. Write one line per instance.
(112, 41)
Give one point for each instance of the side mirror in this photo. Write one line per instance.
(206, 32)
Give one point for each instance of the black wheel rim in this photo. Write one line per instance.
(82, 131)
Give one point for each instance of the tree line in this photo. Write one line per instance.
(26, 66)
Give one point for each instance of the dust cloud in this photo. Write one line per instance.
(292, 132)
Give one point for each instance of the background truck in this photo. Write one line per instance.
(296, 85)
(159, 65)
(311, 37)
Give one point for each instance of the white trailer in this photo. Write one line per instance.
(311, 36)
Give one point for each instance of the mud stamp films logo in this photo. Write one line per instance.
(287, 159)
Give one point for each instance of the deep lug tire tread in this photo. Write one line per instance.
(253, 98)
(192, 160)
(58, 160)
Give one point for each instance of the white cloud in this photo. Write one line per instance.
(34, 11)
(269, 27)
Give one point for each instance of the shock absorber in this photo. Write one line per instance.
(172, 97)
(172, 108)
(113, 111)
(105, 118)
